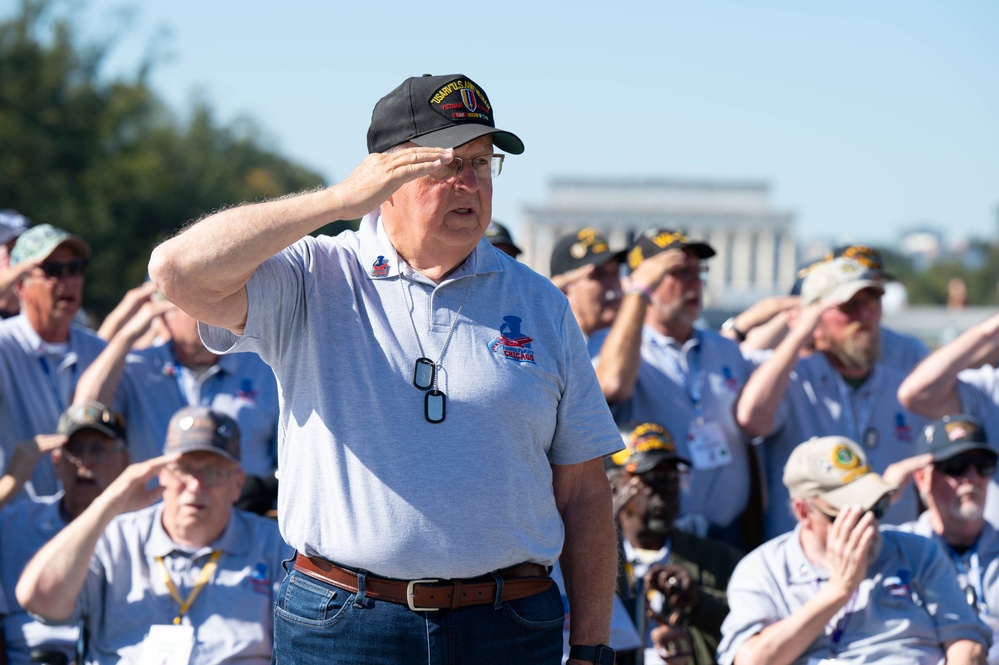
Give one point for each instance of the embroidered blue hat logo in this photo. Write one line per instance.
(380, 267)
(513, 344)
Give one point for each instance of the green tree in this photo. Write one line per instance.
(106, 158)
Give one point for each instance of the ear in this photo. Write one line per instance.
(799, 508)
(921, 479)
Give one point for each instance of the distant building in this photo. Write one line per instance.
(755, 243)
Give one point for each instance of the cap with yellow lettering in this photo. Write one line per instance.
(835, 469)
(654, 241)
(647, 446)
(583, 248)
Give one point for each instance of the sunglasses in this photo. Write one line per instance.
(957, 467)
(54, 270)
(879, 508)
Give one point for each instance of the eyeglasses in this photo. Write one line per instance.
(957, 467)
(689, 273)
(879, 508)
(211, 476)
(485, 166)
(54, 270)
(96, 451)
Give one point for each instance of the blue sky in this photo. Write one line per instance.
(865, 117)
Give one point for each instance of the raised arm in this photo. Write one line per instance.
(52, 580)
(204, 269)
(22, 463)
(847, 555)
(931, 388)
(99, 382)
(620, 355)
(757, 405)
(589, 556)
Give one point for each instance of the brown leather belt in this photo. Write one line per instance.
(430, 595)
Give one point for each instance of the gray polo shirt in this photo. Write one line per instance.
(154, 386)
(232, 617)
(978, 390)
(977, 568)
(25, 526)
(35, 389)
(367, 481)
(906, 608)
(818, 402)
(708, 367)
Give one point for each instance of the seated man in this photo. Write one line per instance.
(953, 488)
(91, 452)
(838, 588)
(190, 579)
(683, 576)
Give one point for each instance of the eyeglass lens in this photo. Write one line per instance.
(958, 466)
(208, 476)
(485, 166)
(70, 269)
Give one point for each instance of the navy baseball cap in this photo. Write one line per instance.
(954, 434)
(654, 241)
(583, 248)
(436, 112)
(197, 428)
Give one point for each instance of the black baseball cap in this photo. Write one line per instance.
(498, 234)
(438, 112)
(647, 446)
(955, 434)
(583, 248)
(654, 241)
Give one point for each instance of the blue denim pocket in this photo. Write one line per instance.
(309, 602)
(543, 610)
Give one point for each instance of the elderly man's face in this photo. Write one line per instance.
(595, 299)
(656, 503)
(852, 331)
(199, 491)
(956, 488)
(450, 212)
(678, 299)
(86, 465)
(53, 301)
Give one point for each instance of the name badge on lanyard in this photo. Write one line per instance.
(707, 445)
(167, 645)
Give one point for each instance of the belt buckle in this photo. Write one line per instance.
(410, 593)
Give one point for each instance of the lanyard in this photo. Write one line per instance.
(53, 378)
(855, 427)
(972, 575)
(692, 377)
(840, 628)
(206, 574)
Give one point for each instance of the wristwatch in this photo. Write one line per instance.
(600, 654)
(730, 325)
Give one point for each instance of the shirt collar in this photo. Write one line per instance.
(232, 541)
(380, 260)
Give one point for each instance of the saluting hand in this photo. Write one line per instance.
(848, 548)
(381, 174)
(130, 491)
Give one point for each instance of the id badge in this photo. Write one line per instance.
(167, 645)
(707, 446)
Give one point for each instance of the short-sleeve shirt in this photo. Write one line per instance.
(240, 385)
(711, 369)
(900, 351)
(25, 526)
(366, 480)
(976, 568)
(978, 390)
(903, 613)
(35, 388)
(125, 592)
(818, 402)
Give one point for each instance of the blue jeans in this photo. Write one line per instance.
(318, 623)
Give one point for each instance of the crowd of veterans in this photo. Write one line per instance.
(803, 485)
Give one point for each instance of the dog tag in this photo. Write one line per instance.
(423, 373)
(433, 406)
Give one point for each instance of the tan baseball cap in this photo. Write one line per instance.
(838, 279)
(835, 469)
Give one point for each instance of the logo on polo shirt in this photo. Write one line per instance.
(380, 267)
(246, 390)
(512, 343)
(259, 580)
(898, 584)
(902, 431)
(730, 381)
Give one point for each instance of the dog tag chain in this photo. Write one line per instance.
(425, 370)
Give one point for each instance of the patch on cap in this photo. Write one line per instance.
(91, 415)
(461, 100)
(646, 446)
(655, 241)
(198, 428)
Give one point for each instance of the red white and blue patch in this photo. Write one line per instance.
(469, 100)
(512, 343)
(380, 268)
